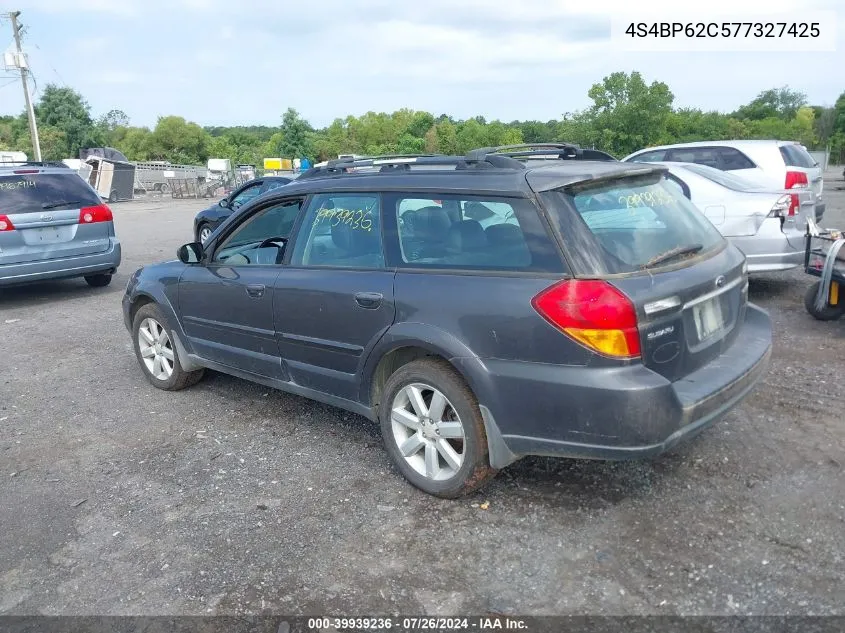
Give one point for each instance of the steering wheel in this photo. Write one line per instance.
(274, 241)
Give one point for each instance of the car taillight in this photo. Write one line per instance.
(594, 313)
(785, 206)
(6, 224)
(100, 213)
(796, 179)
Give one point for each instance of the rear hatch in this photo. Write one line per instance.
(50, 215)
(643, 237)
(799, 160)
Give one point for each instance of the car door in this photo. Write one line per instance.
(226, 302)
(334, 301)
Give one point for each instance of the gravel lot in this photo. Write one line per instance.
(116, 498)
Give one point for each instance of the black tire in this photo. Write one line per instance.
(200, 229)
(828, 313)
(98, 281)
(179, 378)
(113, 196)
(164, 188)
(475, 471)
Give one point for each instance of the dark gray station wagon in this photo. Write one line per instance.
(480, 308)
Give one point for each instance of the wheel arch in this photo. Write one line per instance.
(406, 342)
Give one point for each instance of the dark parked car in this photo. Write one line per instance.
(595, 313)
(209, 219)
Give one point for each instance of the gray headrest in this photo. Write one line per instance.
(467, 235)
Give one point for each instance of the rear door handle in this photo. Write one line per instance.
(369, 300)
(255, 290)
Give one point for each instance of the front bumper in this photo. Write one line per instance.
(620, 413)
(63, 268)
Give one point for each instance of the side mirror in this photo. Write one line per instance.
(190, 253)
(224, 203)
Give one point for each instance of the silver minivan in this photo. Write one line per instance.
(53, 225)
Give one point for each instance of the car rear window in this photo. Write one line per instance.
(723, 178)
(32, 193)
(628, 225)
(796, 156)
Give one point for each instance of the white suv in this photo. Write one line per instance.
(781, 164)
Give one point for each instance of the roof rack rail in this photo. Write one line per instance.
(563, 151)
(34, 163)
(397, 162)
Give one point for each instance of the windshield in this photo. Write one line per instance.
(632, 224)
(33, 193)
(724, 178)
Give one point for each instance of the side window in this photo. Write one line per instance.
(734, 159)
(246, 195)
(261, 238)
(273, 184)
(342, 231)
(449, 232)
(650, 157)
(701, 155)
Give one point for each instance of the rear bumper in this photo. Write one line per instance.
(625, 413)
(771, 250)
(109, 260)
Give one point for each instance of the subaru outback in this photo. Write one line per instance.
(479, 308)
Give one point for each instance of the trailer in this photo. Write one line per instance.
(824, 258)
(113, 179)
(153, 175)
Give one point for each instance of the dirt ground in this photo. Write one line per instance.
(228, 498)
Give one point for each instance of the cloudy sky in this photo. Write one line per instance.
(244, 62)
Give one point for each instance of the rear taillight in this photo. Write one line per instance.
(100, 213)
(6, 224)
(796, 179)
(594, 313)
(786, 206)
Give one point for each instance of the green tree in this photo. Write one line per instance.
(409, 144)
(420, 124)
(295, 139)
(781, 103)
(447, 136)
(628, 114)
(65, 110)
(134, 142)
(179, 141)
(471, 134)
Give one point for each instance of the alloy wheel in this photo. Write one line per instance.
(156, 349)
(428, 431)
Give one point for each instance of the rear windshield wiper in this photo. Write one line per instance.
(61, 203)
(673, 253)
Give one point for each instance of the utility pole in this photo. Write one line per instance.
(20, 62)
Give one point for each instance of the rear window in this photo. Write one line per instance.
(630, 224)
(721, 177)
(33, 193)
(797, 156)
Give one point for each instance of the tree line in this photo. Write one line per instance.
(626, 114)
